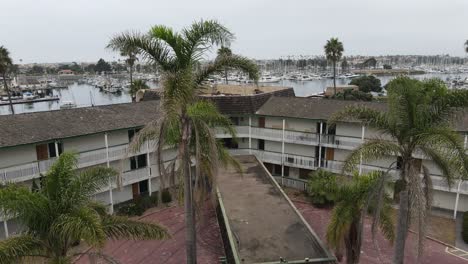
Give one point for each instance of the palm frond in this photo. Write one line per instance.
(151, 49)
(233, 61)
(373, 149)
(118, 227)
(14, 249)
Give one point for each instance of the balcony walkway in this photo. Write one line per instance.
(265, 225)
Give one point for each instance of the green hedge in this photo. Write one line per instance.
(465, 227)
(139, 205)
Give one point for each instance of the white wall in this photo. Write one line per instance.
(302, 125)
(84, 143)
(297, 149)
(17, 155)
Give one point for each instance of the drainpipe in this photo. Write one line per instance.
(320, 145)
(282, 154)
(455, 208)
(111, 209)
(363, 131)
(250, 135)
(148, 160)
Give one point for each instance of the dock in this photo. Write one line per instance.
(25, 101)
(258, 221)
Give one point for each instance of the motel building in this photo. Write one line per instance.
(289, 134)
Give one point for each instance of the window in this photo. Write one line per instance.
(277, 169)
(132, 132)
(52, 151)
(143, 186)
(138, 162)
(399, 162)
(261, 144)
(235, 120)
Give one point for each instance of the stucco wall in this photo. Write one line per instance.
(17, 155)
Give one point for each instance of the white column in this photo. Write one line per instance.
(363, 132)
(111, 210)
(282, 153)
(460, 181)
(56, 149)
(5, 225)
(320, 145)
(148, 161)
(250, 135)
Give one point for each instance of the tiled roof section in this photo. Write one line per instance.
(30, 128)
(246, 104)
(310, 108)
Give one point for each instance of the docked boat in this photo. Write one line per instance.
(67, 105)
(28, 96)
(269, 79)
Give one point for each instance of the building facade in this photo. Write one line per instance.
(289, 134)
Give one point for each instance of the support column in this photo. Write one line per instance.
(460, 181)
(111, 209)
(250, 135)
(5, 226)
(320, 145)
(56, 149)
(282, 153)
(148, 161)
(363, 132)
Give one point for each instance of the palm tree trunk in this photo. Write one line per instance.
(8, 93)
(334, 77)
(131, 74)
(402, 227)
(190, 235)
(226, 75)
(352, 243)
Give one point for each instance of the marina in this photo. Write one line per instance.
(99, 90)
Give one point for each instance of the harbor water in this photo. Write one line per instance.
(84, 95)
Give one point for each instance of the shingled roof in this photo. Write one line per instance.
(246, 104)
(323, 109)
(30, 128)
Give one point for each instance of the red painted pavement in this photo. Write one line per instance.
(433, 251)
(170, 251)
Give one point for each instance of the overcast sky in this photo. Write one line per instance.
(78, 30)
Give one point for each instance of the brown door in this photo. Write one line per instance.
(42, 152)
(330, 155)
(135, 190)
(261, 122)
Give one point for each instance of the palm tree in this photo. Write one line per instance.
(466, 46)
(353, 201)
(136, 86)
(62, 213)
(334, 51)
(131, 54)
(186, 121)
(225, 51)
(5, 65)
(418, 119)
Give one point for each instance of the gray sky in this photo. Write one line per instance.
(78, 30)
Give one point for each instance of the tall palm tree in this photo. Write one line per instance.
(353, 201)
(185, 121)
(225, 51)
(334, 51)
(5, 66)
(136, 86)
(131, 54)
(419, 120)
(62, 213)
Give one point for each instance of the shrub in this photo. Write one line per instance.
(322, 187)
(166, 196)
(465, 227)
(138, 206)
